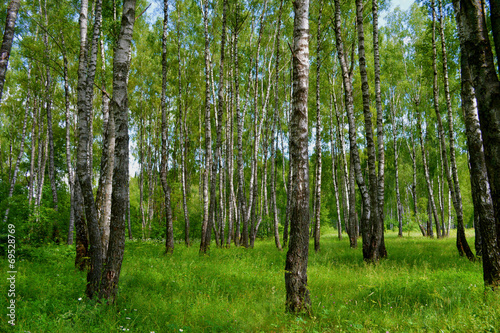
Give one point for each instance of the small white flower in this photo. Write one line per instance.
(181, 330)
(127, 318)
(79, 298)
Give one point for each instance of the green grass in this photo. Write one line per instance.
(424, 286)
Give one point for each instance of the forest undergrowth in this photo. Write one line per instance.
(424, 286)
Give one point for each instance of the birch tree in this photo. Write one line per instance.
(297, 294)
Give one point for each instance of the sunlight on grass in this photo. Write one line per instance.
(423, 286)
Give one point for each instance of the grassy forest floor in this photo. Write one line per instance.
(423, 286)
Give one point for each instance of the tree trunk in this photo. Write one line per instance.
(274, 141)
(8, 37)
(480, 177)
(239, 121)
(182, 136)
(48, 110)
(297, 294)
(380, 130)
(71, 179)
(13, 179)
(476, 46)
(141, 175)
(119, 108)
(104, 189)
(169, 232)
(317, 192)
(253, 189)
(349, 197)
(206, 228)
(82, 261)
(334, 175)
(229, 151)
(462, 245)
(399, 209)
(413, 156)
(86, 74)
(32, 179)
(495, 25)
(372, 229)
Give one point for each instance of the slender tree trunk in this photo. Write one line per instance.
(317, 199)
(71, 179)
(298, 299)
(8, 37)
(274, 141)
(413, 156)
(427, 177)
(86, 74)
(48, 110)
(349, 197)
(169, 232)
(396, 167)
(230, 149)
(41, 161)
(239, 121)
(462, 245)
(13, 179)
(480, 178)
(151, 186)
(380, 131)
(82, 261)
(206, 225)
(141, 175)
(373, 230)
(253, 190)
(104, 189)
(32, 180)
(334, 175)
(440, 179)
(182, 135)
(119, 108)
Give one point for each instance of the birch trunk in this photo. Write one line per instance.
(86, 74)
(348, 200)
(8, 37)
(169, 230)
(274, 141)
(430, 193)
(476, 46)
(396, 167)
(182, 142)
(82, 257)
(206, 225)
(48, 110)
(253, 190)
(13, 179)
(372, 227)
(104, 189)
(480, 181)
(119, 108)
(239, 121)
(462, 245)
(71, 179)
(32, 179)
(334, 175)
(297, 294)
(317, 199)
(380, 129)
(229, 152)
